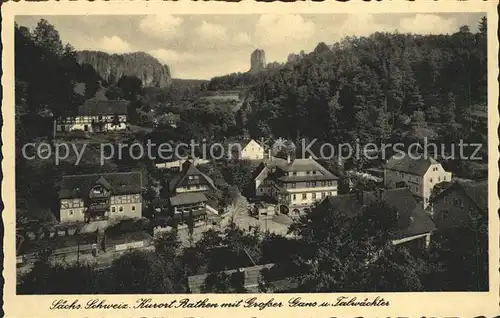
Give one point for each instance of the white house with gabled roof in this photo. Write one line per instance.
(419, 175)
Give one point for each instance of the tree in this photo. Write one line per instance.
(46, 37)
(47, 278)
(448, 113)
(432, 114)
(145, 273)
(460, 257)
(131, 87)
(238, 173)
(219, 282)
(340, 252)
(418, 119)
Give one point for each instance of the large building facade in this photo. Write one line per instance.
(104, 196)
(96, 116)
(296, 185)
(187, 190)
(418, 175)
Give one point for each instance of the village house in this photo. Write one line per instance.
(418, 175)
(176, 164)
(103, 196)
(461, 204)
(169, 119)
(187, 190)
(295, 185)
(247, 149)
(414, 225)
(96, 116)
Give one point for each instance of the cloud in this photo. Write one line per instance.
(427, 24)
(162, 26)
(171, 56)
(366, 24)
(278, 29)
(280, 35)
(242, 38)
(113, 44)
(212, 32)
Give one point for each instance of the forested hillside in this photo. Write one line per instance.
(372, 88)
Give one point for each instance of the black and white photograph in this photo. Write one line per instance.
(252, 154)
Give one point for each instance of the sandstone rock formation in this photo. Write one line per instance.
(257, 61)
(113, 66)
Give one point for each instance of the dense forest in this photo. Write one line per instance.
(386, 85)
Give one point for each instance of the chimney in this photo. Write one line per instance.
(288, 159)
(269, 155)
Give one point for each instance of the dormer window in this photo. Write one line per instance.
(314, 172)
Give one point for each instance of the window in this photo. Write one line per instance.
(444, 178)
(323, 194)
(113, 209)
(330, 183)
(456, 202)
(445, 214)
(261, 190)
(133, 207)
(329, 193)
(120, 209)
(314, 195)
(430, 180)
(70, 212)
(304, 196)
(314, 172)
(292, 185)
(313, 183)
(294, 173)
(323, 183)
(197, 186)
(308, 184)
(308, 172)
(439, 179)
(294, 197)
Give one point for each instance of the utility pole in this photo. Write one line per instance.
(77, 249)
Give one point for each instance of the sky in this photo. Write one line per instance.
(204, 46)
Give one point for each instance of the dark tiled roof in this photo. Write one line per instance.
(412, 218)
(476, 191)
(103, 107)
(188, 169)
(78, 186)
(296, 165)
(187, 198)
(409, 165)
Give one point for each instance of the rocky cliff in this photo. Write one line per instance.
(113, 66)
(257, 61)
